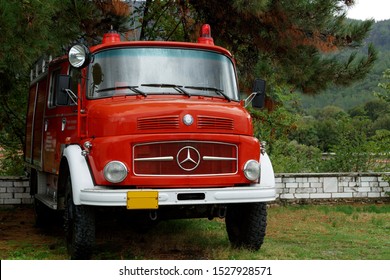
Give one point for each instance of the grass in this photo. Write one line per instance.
(335, 232)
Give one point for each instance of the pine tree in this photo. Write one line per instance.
(291, 40)
(32, 28)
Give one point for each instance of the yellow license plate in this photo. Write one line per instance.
(142, 200)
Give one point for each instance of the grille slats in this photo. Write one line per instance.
(166, 122)
(206, 122)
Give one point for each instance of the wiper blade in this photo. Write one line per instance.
(178, 88)
(216, 90)
(132, 88)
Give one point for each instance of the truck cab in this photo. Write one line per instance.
(153, 127)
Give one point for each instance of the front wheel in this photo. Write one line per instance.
(79, 223)
(246, 224)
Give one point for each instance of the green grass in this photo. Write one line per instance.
(335, 232)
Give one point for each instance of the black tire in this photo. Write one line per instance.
(79, 224)
(246, 225)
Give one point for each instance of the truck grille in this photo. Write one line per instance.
(185, 158)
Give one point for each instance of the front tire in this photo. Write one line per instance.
(246, 225)
(79, 224)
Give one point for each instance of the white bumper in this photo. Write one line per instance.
(100, 196)
(84, 191)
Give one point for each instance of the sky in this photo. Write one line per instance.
(368, 9)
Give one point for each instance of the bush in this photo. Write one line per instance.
(292, 157)
(11, 164)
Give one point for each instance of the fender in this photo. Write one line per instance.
(79, 171)
(267, 175)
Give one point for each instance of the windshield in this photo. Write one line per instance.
(135, 71)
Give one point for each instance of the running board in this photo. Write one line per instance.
(47, 200)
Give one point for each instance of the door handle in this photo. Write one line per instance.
(63, 124)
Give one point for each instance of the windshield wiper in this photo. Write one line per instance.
(178, 88)
(132, 88)
(216, 90)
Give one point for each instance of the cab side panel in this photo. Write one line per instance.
(38, 123)
(29, 123)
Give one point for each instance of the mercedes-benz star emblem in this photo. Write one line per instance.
(188, 158)
(188, 119)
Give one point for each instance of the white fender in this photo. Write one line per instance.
(267, 175)
(79, 172)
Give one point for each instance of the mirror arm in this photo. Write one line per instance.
(249, 99)
(71, 95)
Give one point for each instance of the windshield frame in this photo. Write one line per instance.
(223, 65)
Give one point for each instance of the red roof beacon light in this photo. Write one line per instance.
(205, 35)
(111, 37)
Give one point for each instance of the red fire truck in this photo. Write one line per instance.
(152, 127)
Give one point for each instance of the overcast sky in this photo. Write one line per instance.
(367, 9)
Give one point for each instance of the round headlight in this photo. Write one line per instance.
(252, 170)
(115, 172)
(78, 56)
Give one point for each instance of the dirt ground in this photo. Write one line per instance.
(357, 231)
(20, 238)
(17, 229)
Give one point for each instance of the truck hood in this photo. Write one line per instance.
(148, 116)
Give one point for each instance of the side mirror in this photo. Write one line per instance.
(259, 89)
(257, 96)
(63, 84)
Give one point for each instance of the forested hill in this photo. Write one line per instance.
(360, 92)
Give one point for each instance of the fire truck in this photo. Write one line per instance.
(150, 127)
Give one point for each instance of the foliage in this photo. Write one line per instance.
(359, 92)
(351, 142)
(29, 30)
(11, 163)
(293, 37)
(350, 154)
(292, 157)
(294, 45)
(165, 20)
(384, 94)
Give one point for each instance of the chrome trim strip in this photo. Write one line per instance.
(169, 158)
(219, 158)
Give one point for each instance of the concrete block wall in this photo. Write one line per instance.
(14, 190)
(332, 186)
(289, 187)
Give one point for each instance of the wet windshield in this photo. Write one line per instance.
(147, 71)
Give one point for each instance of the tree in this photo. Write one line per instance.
(33, 28)
(293, 38)
(384, 92)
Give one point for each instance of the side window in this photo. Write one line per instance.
(53, 85)
(75, 77)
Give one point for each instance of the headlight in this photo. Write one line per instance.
(252, 170)
(115, 171)
(78, 56)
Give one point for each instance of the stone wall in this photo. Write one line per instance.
(333, 186)
(14, 190)
(289, 187)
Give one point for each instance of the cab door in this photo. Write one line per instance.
(60, 121)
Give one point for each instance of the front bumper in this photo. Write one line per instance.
(101, 196)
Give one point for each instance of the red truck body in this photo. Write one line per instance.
(143, 126)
